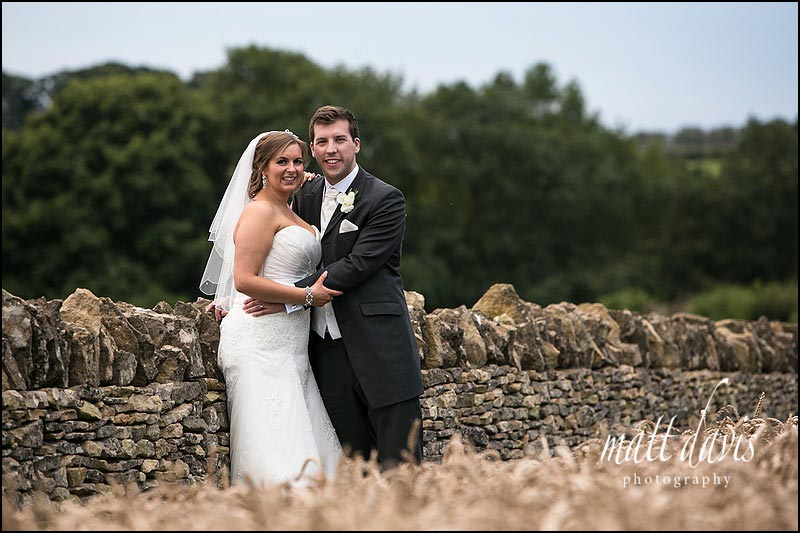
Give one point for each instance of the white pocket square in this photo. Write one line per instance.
(346, 226)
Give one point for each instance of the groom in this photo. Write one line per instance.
(361, 348)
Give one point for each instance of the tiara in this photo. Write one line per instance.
(292, 134)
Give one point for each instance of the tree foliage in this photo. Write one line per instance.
(111, 176)
(110, 189)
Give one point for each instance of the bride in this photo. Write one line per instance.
(277, 418)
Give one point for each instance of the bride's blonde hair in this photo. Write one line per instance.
(267, 148)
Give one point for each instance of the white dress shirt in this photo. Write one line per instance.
(323, 318)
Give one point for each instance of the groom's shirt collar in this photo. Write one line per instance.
(345, 184)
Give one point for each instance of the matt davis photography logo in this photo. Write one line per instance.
(714, 447)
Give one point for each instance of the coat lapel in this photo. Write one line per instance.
(312, 201)
(358, 184)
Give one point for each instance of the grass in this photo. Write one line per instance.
(474, 491)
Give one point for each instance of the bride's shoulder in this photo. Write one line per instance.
(259, 208)
(259, 212)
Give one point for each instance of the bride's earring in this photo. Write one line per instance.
(263, 181)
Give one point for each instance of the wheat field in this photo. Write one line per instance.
(562, 490)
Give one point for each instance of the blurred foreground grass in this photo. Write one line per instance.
(566, 490)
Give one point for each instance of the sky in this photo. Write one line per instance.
(640, 66)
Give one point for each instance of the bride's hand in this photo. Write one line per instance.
(257, 308)
(321, 293)
(307, 176)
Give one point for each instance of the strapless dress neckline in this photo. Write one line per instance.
(315, 234)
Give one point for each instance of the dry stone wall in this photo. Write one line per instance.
(508, 410)
(97, 393)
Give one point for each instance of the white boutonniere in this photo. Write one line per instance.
(347, 201)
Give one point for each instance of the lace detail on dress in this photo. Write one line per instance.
(330, 432)
(272, 407)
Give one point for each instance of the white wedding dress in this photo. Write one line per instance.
(277, 418)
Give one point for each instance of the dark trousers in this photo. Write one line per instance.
(360, 428)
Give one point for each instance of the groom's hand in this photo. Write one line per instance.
(219, 313)
(257, 308)
(322, 294)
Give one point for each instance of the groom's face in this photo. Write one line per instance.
(334, 150)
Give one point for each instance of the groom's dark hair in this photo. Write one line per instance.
(328, 114)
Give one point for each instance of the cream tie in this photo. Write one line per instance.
(328, 207)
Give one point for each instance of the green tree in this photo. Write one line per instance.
(757, 238)
(258, 90)
(113, 183)
(110, 189)
(20, 97)
(525, 187)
